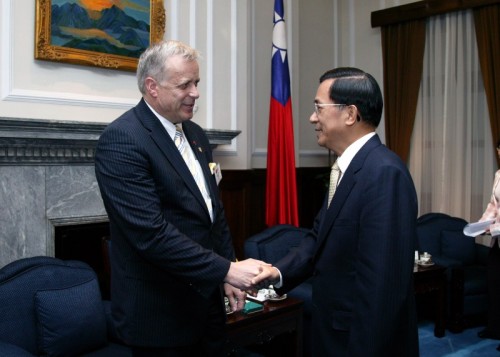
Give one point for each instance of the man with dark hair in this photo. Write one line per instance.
(360, 251)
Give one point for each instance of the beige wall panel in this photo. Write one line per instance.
(235, 39)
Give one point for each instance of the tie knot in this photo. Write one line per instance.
(335, 166)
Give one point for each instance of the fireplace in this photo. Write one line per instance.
(87, 243)
(48, 187)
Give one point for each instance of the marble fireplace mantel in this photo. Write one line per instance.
(33, 142)
(47, 180)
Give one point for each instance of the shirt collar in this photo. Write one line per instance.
(351, 151)
(168, 125)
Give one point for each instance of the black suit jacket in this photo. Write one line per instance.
(361, 255)
(167, 257)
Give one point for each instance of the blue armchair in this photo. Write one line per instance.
(442, 236)
(52, 307)
(271, 245)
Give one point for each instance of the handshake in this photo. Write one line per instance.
(249, 276)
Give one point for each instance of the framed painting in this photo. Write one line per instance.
(102, 33)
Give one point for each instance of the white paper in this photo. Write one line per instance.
(266, 294)
(477, 228)
(262, 295)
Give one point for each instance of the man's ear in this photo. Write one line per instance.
(151, 87)
(353, 115)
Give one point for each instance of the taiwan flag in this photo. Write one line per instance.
(281, 186)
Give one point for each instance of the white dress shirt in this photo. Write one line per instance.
(170, 128)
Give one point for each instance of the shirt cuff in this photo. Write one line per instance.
(280, 283)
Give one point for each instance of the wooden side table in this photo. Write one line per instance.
(260, 328)
(432, 279)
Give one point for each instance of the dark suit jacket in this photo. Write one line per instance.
(167, 257)
(361, 254)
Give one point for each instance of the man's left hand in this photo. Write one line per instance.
(236, 297)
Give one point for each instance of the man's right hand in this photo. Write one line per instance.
(268, 276)
(241, 274)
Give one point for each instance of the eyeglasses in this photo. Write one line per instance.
(317, 106)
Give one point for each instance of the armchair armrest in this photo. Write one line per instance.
(482, 253)
(446, 261)
(8, 349)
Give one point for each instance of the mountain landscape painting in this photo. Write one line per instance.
(116, 27)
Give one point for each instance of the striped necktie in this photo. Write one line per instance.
(334, 180)
(179, 139)
(193, 165)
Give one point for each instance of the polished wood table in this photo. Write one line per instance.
(432, 280)
(262, 328)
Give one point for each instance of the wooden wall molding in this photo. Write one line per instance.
(243, 194)
(423, 9)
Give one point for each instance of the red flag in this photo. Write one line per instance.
(281, 187)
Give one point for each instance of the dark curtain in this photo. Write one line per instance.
(403, 54)
(486, 21)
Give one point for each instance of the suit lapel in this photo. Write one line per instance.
(348, 182)
(170, 151)
(330, 213)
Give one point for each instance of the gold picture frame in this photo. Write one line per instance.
(45, 49)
